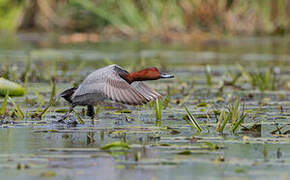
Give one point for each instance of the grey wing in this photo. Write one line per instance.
(146, 91)
(119, 90)
(91, 89)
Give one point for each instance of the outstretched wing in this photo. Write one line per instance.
(108, 81)
(119, 90)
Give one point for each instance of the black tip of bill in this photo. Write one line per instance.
(164, 75)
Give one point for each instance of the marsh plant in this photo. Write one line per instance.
(17, 111)
(208, 76)
(52, 99)
(158, 112)
(192, 121)
(232, 113)
(231, 78)
(265, 80)
(3, 106)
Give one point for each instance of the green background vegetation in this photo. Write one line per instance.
(135, 17)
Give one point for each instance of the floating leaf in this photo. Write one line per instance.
(203, 104)
(240, 170)
(211, 146)
(13, 88)
(116, 144)
(187, 152)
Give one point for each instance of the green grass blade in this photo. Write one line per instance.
(158, 112)
(226, 118)
(219, 121)
(235, 78)
(4, 104)
(26, 75)
(26, 83)
(17, 109)
(238, 123)
(53, 92)
(79, 118)
(39, 97)
(208, 75)
(51, 99)
(193, 121)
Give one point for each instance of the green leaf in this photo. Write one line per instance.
(17, 109)
(116, 144)
(226, 117)
(186, 152)
(13, 88)
(192, 121)
(4, 103)
(39, 97)
(158, 112)
(208, 75)
(236, 125)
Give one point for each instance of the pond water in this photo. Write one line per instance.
(31, 148)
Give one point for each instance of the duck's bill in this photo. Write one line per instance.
(164, 75)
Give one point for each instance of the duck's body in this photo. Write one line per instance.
(115, 83)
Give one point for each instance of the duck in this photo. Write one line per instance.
(115, 83)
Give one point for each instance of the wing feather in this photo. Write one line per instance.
(109, 82)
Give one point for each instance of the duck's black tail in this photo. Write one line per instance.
(67, 94)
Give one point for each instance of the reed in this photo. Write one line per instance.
(26, 75)
(52, 98)
(222, 121)
(39, 98)
(265, 80)
(233, 114)
(17, 110)
(192, 121)
(4, 104)
(158, 112)
(208, 76)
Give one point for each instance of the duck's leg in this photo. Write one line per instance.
(67, 114)
(91, 112)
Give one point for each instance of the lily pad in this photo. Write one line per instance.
(13, 88)
(114, 145)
